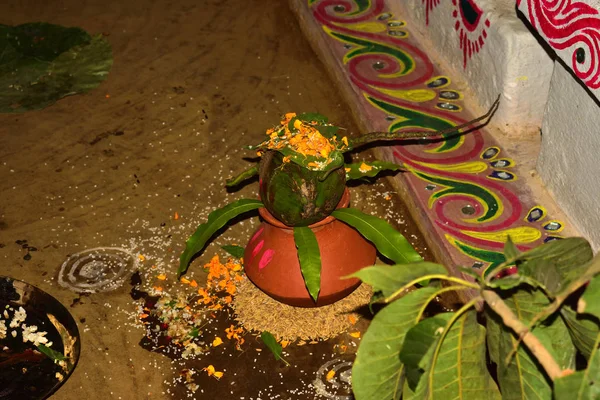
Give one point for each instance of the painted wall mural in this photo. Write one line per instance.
(572, 28)
(466, 183)
(469, 23)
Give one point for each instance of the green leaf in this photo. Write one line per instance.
(513, 281)
(557, 263)
(583, 330)
(460, 369)
(310, 259)
(522, 378)
(312, 117)
(581, 385)
(358, 170)
(389, 242)
(589, 302)
(216, 220)
(470, 272)
(554, 336)
(388, 279)
(419, 347)
(235, 251)
(510, 250)
(272, 344)
(41, 63)
(377, 372)
(50, 353)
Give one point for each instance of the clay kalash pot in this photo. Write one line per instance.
(295, 195)
(271, 259)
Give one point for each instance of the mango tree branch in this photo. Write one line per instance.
(381, 136)
(509, 319)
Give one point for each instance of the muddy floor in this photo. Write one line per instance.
(138, 163)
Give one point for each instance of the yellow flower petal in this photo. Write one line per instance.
(217, 342)
(162, 277)
(218, 374)
(210, 370)
(184, 280)
(355, 334)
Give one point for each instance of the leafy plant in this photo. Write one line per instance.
(533, 334)
(41, 63)
(302, 178)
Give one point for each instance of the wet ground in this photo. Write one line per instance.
(138, 163)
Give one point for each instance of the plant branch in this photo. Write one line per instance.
(509, 319)
(560, 298)
(383, 136)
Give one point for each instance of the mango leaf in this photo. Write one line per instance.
(459, 371)
(235, 251)
(388, 279)
(581, 385)
(419, 347)
(272, 344)
(589, 302)
(554, 336)
(510, 250)
(310, 259)
(247, 174)
(522, 378)
(51, 353)
(216, 220)
(470, 272)
(513, 281)
(388, 241)
(583, 330)
(313, 163)
(369, 169)
(35, 73)
(310, 117)
(377, 372)
(557, 263)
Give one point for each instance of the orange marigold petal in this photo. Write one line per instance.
(330, 375)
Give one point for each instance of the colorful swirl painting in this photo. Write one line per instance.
(465, 184)
(572, 28)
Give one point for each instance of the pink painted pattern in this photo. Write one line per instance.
(569, 27)
(266, 258)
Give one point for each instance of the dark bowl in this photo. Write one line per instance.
(24, 373)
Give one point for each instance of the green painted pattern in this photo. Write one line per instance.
(369, 47)
(457, 187)
(362, 5)
(492, 257)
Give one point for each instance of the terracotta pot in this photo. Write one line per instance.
(271, 260)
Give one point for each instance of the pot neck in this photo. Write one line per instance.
(268, 217)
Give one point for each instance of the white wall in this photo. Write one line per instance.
(569, 161)
(510, 62)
